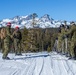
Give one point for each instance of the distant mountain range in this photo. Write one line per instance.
(26, 21)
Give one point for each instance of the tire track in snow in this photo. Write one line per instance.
(51, 65)
(59, 60)
(24, 72)
(6, 68)
(64, 67)
(17, 68)
(69, 72)
(63, 70)
(42, 67)
(70, 66)
(21, 67)
(15, 72)
(73, 62)
(54, 65)
(31, 68)
(39, 66)
(47, 67)
(57, 63)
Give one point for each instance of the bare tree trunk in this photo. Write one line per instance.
(66, 45)
(63, 49)
(42, 46)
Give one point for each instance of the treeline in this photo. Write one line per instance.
(38, 39)
(35, 40)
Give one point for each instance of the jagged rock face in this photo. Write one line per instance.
(45, 18)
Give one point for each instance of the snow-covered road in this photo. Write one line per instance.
(37, 64)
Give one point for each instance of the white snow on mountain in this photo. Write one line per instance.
(41, 63)
(26, 21)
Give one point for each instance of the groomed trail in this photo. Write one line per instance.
(42, 63)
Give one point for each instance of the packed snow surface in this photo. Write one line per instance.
(41, 63)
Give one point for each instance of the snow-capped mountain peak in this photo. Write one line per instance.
(27, 21)
(45, 18)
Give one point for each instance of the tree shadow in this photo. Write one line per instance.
(30, 56)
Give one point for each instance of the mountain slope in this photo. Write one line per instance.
(26, 21)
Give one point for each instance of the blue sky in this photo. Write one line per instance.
(57, 9)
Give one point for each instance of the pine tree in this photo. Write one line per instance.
(24, 39)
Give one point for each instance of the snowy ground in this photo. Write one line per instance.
(37, 64)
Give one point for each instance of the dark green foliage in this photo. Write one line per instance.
(24, 39)
(37, 39)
